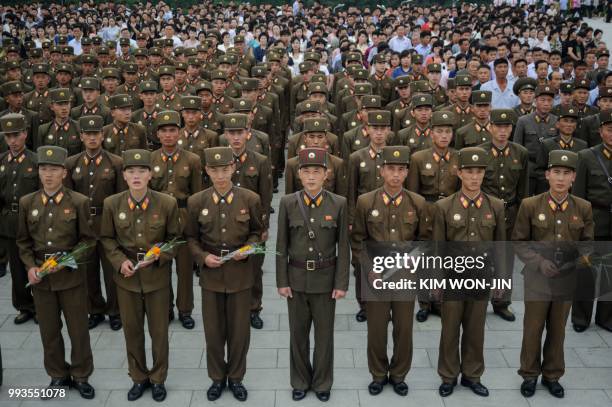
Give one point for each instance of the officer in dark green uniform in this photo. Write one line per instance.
(478, 130)
(461, 107)
(524, 88)
(62, 131)
(122, 134)
(312, 272)
(146, 115)
(417, 136)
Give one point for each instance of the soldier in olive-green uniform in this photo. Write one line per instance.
(90, 107)
(389, 214)
(433, 175)
(133, 221)
(397, 107)
(193, 136)
(556, 216)
(312, 272)
(417, 136)
(462, 108)
(506, 178)
(178, 173)
(524, 88)
(18, 177)
(146, 115)
(253, 172)
(13, 95)
(221, 103)
(533, 128)
(434, 73)
(382, 84)
(96, 174)
(122, 134)
(51, 220)
(564, 140)
(38, 99)
(62, 131)
(222, 219)
(168, 98)
(357, 137)
(478, 131)
(296, 141)
(594, 183)
(469, 215)
(589, 126)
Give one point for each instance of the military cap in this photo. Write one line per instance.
(46, 44)
(59, 95)
(29, 45)
(36, 53)
(582, 84)
(88, 59)
(371, 102)
(360, 73)
(130, 68)
(8, 65)
(318, 77)
(55, 49)
(97, 40)
(417, 59)
(605, 92)
(399, 155)
(40, 68)
(190, 53)
(524, 84)
(566, 87)
(243, 105)
(379, 59)
(568, 111)
(103, 50)
(350, 70)
(86, 41)
(166, 70)
(11, 87)
(213, 33)
(463, 80)
(250, 84)
(238, 39)
(120, 100)
(605, 116)
(141, 52)
(259, 71)
(309, 107)
(503, 116)
(219, 75)
(111, 73)
(91, 123)
(224, 59)
(191, 103)
(12, 123)
(64, 68)
(402, 81)
(434, 68)
(203, 85)
(363, 89)
(545, 90)
(168, 42)
(317, 87)
(422, 100)
(305, 67)
(155, 51)
(124, 41)
(12, 49)
(420, 87)
(218, 156)
(354, 56)
(68, 50)
(562, 158)
(148, 86)
(168, 118)
(235, 121)
(312, 157)
(52, 155)
(316, 125)
(136, 158)
(62, 39)
(194, 61)
(481, 97)
(90, 83)
(443, 118)
(603, 53)
(379, 118)
(312, 56)
(141, 36)
(111, 44)
(181, 66)
(273, 57)
(472, 157)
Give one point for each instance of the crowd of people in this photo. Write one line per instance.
(151, 139)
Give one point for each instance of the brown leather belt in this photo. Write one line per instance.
(134, 255)
(312, 265)
(95, 211)
(219, 251)
(433, 198)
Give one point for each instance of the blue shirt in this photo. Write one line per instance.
(399, 72)
(501, 100)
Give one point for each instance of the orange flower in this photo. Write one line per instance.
(153, 251)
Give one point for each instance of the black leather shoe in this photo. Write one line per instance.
(602, 326)
(85, 390)
(137, 390)
(171, 315)
(361, 316)
(422, 315)
(115, 322)
(476, 387)
(435, 310)
(215, 390)
(23, 317)
(94, 320)
(55, 383)
(554, 388)
(159, 392)
(375, 388)
(323, 395)
(256, 321)
(528, 387)
(2, 270)
(579, 328)
(446, 389)
(275, 190)
(298, 395)
(271, 210)
(400, 388)
(238, 390)
(505, 314)
(187, 321)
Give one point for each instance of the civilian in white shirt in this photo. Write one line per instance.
(400, 42)
(75, 43)
(503, 96)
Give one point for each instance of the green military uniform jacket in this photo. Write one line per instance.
(296, 143)
(98, 110)
(66, 135)
(414, 137)
(18, 177)
(507, 176)
(116, 140)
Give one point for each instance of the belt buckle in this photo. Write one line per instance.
(49, 255)
(140, 256)
(224, 252)
(310, 265)
(15, 207)
(93, 211)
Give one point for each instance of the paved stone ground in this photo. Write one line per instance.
(588, 379)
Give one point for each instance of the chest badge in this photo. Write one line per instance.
(77, 170)
(541, 217)
(156, 169)
(375, 213)
(363, 164)
(2, 168)
(456, 217)
(122, 216)
(35, 212)
(204, 212)
(428, 166)
(109, 140)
